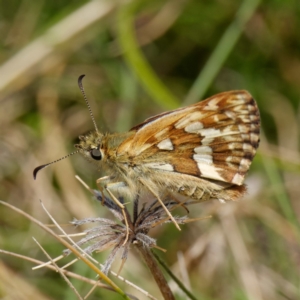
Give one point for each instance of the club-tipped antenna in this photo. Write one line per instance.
(35, 171)
(86, 100)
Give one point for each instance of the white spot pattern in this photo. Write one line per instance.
(194, 127)
(165, 145)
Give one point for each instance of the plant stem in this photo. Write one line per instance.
(156, 272)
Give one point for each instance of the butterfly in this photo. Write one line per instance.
(202, 151)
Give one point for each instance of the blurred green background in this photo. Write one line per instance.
(140, 59)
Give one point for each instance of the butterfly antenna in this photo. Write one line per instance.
(35, 171)
(86, 100)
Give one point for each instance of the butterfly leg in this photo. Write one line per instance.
(100, 186)
(108, 187)
(161, 202)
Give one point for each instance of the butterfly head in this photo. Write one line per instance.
(91, 146)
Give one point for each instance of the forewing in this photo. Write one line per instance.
(215, 139)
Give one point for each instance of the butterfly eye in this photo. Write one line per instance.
(96, 154)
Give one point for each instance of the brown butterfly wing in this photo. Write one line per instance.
(215, 139)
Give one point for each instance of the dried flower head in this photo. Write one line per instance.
(113, 234)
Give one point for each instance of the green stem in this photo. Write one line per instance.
(221, 52)
(280, 192)
(138, 63)
(178, 281)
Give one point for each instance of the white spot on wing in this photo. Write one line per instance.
(203, 158)
(194, 116)
(240, 97)
(230, 114)
(209, 171)
(229, 159)
(206, 167)
(247, 147)
(216, 118)
(230, 130)
(243, 128)
(245, 136)
(254, 138)
(244, 165)
(194, 127)
(207, 141)
(212, 104)
(237, 179)
(203, 149)
(210, 133)
(165, 145)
